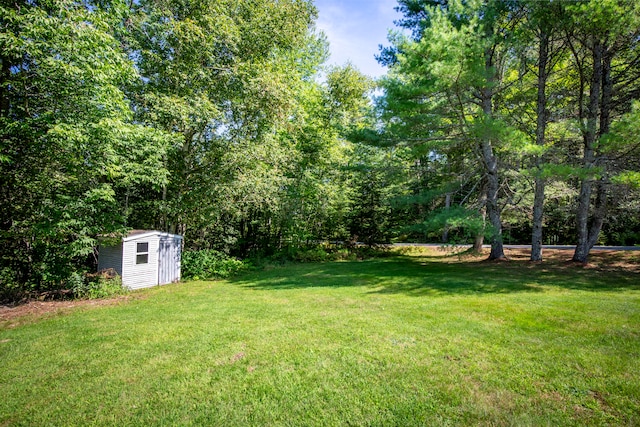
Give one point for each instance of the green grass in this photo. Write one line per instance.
(412, 340)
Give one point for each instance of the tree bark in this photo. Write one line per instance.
(541, 126)
(602, 186)
(479, 239)
(447, 205)
(599, 212)
(490, 163)
(538, 216)
(583, 247)
(493, 210)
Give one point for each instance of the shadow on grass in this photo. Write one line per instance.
(413, 275)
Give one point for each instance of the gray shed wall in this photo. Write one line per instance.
(169, 259)
(110, 257)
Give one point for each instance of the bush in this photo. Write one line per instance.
(318, 254)
(77, 285)
(330, 252)
(210, 264)
(10, 289)
(92, 286)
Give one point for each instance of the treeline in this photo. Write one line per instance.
(520, 116)
(218, 120)
(205, 118)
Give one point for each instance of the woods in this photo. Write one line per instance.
(498, 121)
(525, 93)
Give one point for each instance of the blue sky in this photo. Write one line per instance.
(354, 29)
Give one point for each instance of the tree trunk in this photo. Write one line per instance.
(478, 242)
(602, 187)
(447, 205)
(493, 211)
(490, 163)
(538, 216)
(599, 212)
(581, 253)
(479, 239)
(583, 247)
(541, 126)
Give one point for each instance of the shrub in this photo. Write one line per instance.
(317, 254)
(10, 289)
(331, 252)
(210, 264)
(92, 286)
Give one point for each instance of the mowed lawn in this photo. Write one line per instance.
(417, 339)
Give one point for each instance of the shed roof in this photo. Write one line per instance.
(138, 234)
(135, 232)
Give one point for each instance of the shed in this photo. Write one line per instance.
(143, 259)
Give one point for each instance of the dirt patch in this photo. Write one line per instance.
(600, 260)
(237, 357)
(608, 261)
(37, 309)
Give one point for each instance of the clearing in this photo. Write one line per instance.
(419, 338)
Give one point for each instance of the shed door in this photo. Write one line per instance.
(165, 262)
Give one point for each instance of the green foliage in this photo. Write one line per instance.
(202, 116)
(441, 102)
(69, 142)
(333, 252)
(461, 224)
(216, 119)
(318, 254)
(210, 264)
(370, 211)
(465, 86)
(94, 286)
(629, 178)
(10, 287)
(623, 136)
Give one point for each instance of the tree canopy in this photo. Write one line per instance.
(527, 94)
(501, 121)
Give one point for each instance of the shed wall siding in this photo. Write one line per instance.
(137, 276)
(169, 259)
(110, 257)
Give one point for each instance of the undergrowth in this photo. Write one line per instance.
(326, 252)
(105, 284)
(210, 264)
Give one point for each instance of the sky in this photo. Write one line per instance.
(354, 29)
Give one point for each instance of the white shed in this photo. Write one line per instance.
(145, 258)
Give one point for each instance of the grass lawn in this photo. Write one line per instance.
(417, 339)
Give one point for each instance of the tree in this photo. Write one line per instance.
(443, 87)
(221, 75)
(545, 21)
(68, 140)
(320, 190)
(604, 45)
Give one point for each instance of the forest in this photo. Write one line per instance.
(499, 121)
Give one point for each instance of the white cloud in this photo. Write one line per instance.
(354, 30)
